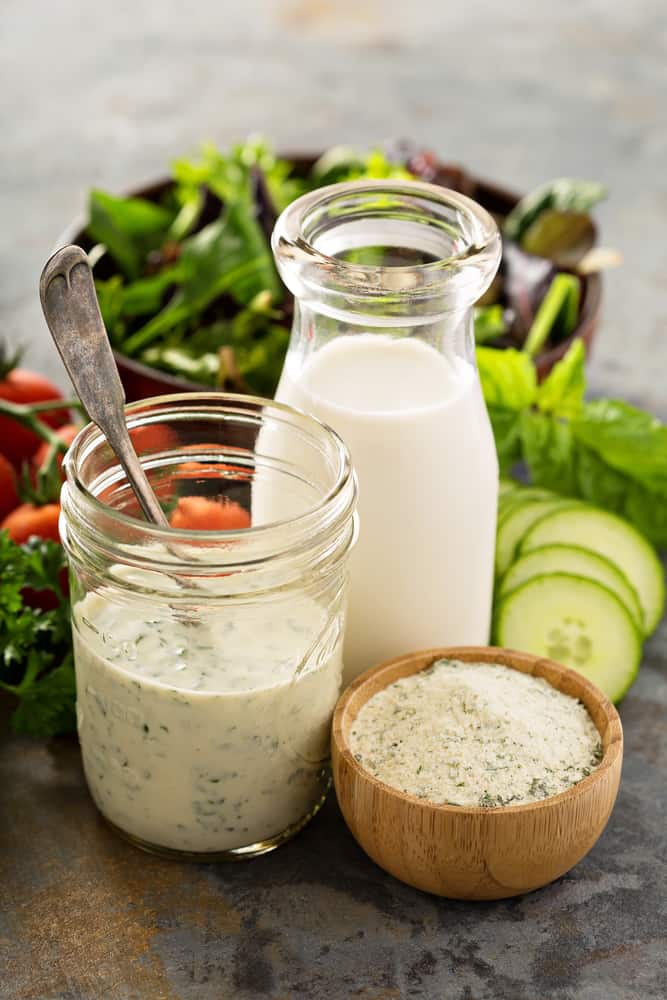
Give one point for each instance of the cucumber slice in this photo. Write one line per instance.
(520, 496)
(613, 538)
(579, 623)
(516, 521)
(577, 561)
(506, 486)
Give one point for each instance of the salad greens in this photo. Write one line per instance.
(187, 283)
(558, 310)
(604, 451)
(36, 664)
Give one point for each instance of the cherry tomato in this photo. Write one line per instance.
(28, 520)
(17, 443)
(9, 498)
(66, 433)
(151, 438)
(212, 470)
(202, 514)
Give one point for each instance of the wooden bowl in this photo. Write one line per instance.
(475, 853)
(141, 380)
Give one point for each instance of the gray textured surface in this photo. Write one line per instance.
(105, 95)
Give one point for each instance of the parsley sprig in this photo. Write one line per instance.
(36, 663)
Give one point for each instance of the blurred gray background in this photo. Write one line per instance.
(108, 94)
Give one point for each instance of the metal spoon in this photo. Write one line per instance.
(72, 312)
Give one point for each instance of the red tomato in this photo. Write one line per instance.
(152, 437)
(202, 514)
(66, 433)
(212, 470)
(29, 520)
(9, 498)
(17, 443)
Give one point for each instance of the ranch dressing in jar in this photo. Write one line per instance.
(208, 663)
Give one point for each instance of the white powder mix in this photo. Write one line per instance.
(475, 734)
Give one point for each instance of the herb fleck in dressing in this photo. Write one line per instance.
(206, 736)
(475, 734)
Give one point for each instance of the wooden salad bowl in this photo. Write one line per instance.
(141, 381)
(471, 852)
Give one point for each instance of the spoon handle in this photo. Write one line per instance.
(72, 312)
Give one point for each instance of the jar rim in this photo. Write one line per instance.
(341, 288)
(332, 509)
(288, 231)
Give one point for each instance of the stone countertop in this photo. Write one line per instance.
(86, 916)
(106, 96)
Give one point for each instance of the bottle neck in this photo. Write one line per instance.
(401, 259)
(451, 334)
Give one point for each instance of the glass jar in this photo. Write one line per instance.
(385, 275)
(208, 662)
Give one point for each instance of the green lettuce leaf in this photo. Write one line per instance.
(562, 392)
(129, 228)
(230, 256)
(566, 194)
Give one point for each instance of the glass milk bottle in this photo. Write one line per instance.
(385, 275)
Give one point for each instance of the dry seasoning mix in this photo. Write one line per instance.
(475, 734)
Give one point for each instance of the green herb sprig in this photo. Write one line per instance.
(36, 663)
(605, 451)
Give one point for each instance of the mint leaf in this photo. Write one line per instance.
(562, 392)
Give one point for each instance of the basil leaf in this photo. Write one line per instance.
(606, 487)
(508, 378)
(562, 392)
(629, 440)
(557, 461)
(548, 450)
(509, 386)
(507, 435)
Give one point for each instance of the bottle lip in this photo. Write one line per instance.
(84, 513)
(472, 231)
